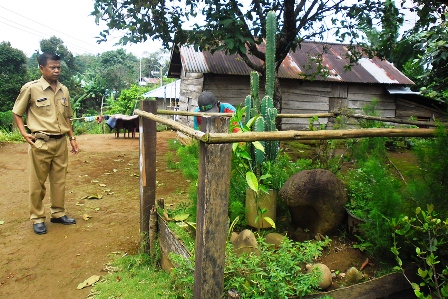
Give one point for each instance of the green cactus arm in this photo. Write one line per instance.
(248, 103)
(271, 28)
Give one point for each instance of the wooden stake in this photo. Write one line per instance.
(212, 212)
(147, 158)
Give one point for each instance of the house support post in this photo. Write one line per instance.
(212, 211)
(147, 159)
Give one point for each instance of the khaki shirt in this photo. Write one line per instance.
(46, 111)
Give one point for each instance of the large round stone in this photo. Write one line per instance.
(316, 200)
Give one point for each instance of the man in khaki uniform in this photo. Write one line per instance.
(46, 103)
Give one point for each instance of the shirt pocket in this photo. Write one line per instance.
(43, 106)
(63, 106)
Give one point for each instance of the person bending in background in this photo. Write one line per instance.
(207, 102)
(46, 104)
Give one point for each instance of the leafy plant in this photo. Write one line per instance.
(269, 274)
(431, 184)
(260, 116)
(427, 234)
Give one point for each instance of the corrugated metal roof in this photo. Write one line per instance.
(169, 91)
(297, 64)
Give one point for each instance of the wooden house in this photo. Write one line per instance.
(370, 79)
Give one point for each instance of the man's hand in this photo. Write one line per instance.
(29, 138)
(75, 148)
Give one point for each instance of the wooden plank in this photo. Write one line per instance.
(339, 90)
(381, 105)
(169, 242)
(365, 89)
(147, 157)
(212, 212)
(318, 105)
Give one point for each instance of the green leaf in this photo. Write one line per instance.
(422, 273)
(258, 146)
(252, 181)
(265, 176)
(270, 221)
(181, 217)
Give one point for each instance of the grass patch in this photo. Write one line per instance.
(7, 136)
(134, 277)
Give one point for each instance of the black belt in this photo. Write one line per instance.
(44, 136)
(56, 136)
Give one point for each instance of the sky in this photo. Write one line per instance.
(25, 23)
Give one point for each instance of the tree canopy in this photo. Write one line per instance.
(13, 74)
(236, 27)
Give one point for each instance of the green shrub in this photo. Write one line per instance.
(423, 239)
(269, 274)
(431, 184)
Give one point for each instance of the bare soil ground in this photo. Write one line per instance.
(52, 265)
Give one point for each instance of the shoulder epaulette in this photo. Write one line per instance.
(28, 84)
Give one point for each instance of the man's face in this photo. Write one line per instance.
(51, 71)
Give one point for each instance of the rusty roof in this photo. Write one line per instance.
(294, 66)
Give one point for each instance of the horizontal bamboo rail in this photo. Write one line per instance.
(392, 120)
(287, 135)
(192, 113)
(309, 115)
(174, 124)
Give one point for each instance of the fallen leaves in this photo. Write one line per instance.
(88, 282)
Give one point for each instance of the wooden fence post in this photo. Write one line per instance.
(212, 211)
(147, 159)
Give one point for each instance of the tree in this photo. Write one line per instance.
(128, 100)
(152, 62)
(421, 52)
(91, 99)
(232, 26)
(119, 69)
(13, 74)
(68, 66)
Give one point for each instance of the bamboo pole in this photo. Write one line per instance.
(393, 120)
(174, 124)
(287, 135)
(191, 113)
(315, 135)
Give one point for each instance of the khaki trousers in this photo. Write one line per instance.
(48, 159)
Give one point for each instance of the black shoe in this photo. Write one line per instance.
(63, 220)
(40, 228)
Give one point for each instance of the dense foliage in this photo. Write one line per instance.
(235, 27)
(13, 74)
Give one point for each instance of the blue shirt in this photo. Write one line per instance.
(223, 108)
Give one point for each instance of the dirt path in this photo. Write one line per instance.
(52, 265)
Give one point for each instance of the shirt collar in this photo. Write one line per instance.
(46, 85)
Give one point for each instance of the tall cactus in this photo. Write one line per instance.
(264, 109)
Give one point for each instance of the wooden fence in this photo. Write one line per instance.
(215, 154)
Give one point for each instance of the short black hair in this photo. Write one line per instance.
(44, 57)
